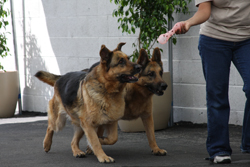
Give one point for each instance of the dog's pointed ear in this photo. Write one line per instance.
(143, 58)
(105, 54)
(157, 56)
(119, 46)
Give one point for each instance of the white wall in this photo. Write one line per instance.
(63, 36)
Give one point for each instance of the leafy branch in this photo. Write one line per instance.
(3, 39)
(150, 17)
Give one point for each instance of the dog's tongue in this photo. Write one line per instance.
(163, 38)
(132, 77)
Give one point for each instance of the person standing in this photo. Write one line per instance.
(224, 39)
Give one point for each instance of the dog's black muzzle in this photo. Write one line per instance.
(163, 86)
(158, 89)
(131, 78)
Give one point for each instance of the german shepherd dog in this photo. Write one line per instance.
(139, 96)
(91, 100)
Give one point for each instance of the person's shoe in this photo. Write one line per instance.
(222, 159)
(245, 151)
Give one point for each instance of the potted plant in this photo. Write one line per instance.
(8, 79)
(150, 18)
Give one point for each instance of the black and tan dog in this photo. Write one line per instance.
(90, 99)
(139, 96)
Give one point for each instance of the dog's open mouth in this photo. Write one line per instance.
(157, 92)
(128, 78)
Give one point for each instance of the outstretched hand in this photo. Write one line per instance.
(179, 28)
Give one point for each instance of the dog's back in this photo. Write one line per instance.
(68, 86)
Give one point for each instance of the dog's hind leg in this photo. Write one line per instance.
(75, 142)
(61, 119)
(148, 123)
(48, 139)
(50, 129)
(56, 121)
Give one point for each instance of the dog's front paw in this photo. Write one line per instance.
(79, 154)
(105, 159)
(89, 151)
(159, 152)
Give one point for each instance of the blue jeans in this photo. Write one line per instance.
(216, 56)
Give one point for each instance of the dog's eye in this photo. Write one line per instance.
(121, 61)
(151, 73)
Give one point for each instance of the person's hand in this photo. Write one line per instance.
(179, 28)
(184, 27)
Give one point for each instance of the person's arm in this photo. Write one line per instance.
(182, 27)
(202, 15)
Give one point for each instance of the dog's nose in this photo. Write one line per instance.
(137, 68)
(164, 86)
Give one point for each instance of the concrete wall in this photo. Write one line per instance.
(61, 36)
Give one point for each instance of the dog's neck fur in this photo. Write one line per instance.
(142, 90)
(103, 94)
(110, 86)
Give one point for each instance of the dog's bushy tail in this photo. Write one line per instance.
(47, 77)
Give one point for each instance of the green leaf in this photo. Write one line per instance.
(126, 13)
(174, 41)
(6, 23)
(133, 29)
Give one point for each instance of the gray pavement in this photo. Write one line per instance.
(21, 145)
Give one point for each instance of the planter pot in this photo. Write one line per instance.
(161, 111)
(9, 85)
